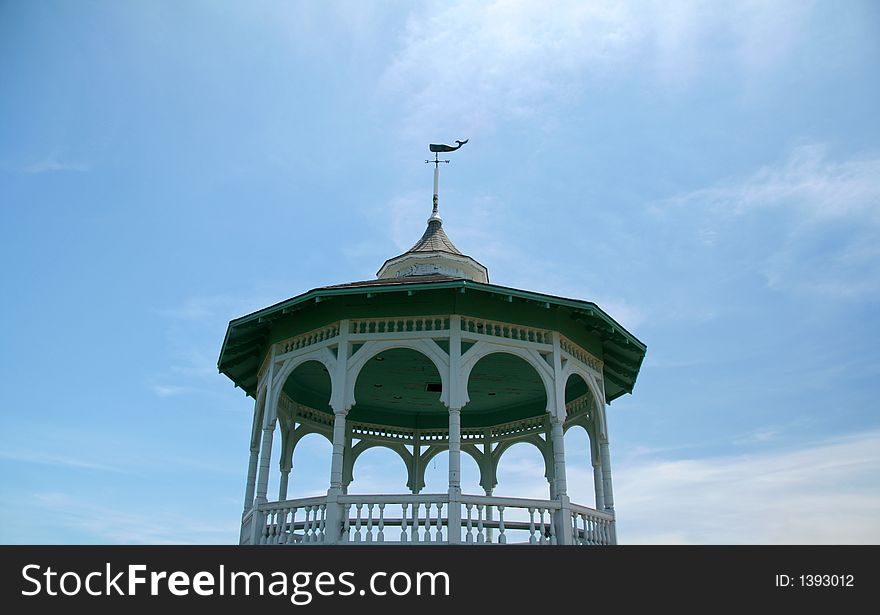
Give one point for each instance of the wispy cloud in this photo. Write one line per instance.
(53, 459)
(810, 221)
(96, 522)
(826, 492)
(169, 390)
(467, 66)
(54, 164)
(821, 492)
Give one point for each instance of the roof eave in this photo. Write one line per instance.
(590, 309)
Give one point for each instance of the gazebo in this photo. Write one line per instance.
(429, 357)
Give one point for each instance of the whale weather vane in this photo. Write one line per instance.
(437, 149)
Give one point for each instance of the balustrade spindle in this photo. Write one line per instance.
(403, 536)
(291, 527)
(270, 527)
(346, 523)
(381, 534)
(307, 524)
(502, 539)
(279, 526)
(266, 533)
(316, 511)
(551, 527)
(414, 532)
(543, 528)
(439, 535)
(470, 527)
(357, 523)
(370, 522)
(480, 537)
(532, 539)
(428, 525)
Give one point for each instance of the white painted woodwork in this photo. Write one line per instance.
(450, 517)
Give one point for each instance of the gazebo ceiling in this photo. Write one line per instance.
(401, 388)
(249, 338)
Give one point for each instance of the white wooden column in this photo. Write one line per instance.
(488, 475)
(557, 416)
(548, 442)
(346, 453)
(596, 460)
(338, 403)
(454, 513)
(562, 519)
(416, 464)
(608, 495)
(251, 484)
(269, 419)
(265, 455)
(597, 486)
(251, 477)
(558, 443)
(282, 484)
(454, 510)
(338, 450)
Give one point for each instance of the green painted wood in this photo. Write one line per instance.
(581, 321)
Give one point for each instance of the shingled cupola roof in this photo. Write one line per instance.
(435, 239)
(434, 254)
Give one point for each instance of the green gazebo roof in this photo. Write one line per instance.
(248, 338)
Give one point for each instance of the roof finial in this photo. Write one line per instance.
(437, 148)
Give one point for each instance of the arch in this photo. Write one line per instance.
(535, 440)
(291, 437)
(315, 450)
(575, 367)
(432, 450)
(370, 349)
(537, 443)
(321, 355)
(482, 349)
(471, 471)
(364, 445)
(581, 456)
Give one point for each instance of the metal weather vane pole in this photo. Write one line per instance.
(437, 148)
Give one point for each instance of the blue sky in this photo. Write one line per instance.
(708, 174)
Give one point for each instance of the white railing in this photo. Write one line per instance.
(514, 520)
(293, 521)
(481, 326)
(426, 519)
(591, 527)
(398, 325)
(415, 518)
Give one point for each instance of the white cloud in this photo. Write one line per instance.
(811, 221)
(826, 492)
(53, 164)
(55, 459)
(169, 390)
(821, 492)
(465, 66)
(114, 525)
